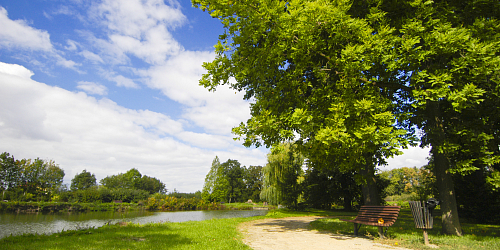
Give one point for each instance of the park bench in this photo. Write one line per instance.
(380, 216)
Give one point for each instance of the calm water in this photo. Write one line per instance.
(16, 224)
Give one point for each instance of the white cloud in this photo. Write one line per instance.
(71, 45)
(411, 157)
(92, 88)
(110, 53)
(139, 28)
(61, 61)
(17, 70)
(82, 132)
(94, 58)
(134, 17)
(178, 79)
(18, 34)
(122, 81)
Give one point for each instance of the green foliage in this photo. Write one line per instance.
(476, 199)
(326, 187)
(233, 173)
(215, 187)
(230, 182)
(51, 207)
(168, 203)
(404, 180)
(253, 178)
(83, 180)
(133, 179)
(282, 176)
(103, 194)
(28, 179)
(176, 194)
(9, 172)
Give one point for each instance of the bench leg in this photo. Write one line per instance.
(355, 229)
(426, 237)
(381, 232)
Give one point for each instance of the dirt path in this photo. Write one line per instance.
(294, 233)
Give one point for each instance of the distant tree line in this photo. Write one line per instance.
(41, 180)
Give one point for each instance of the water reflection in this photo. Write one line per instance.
(17, 224)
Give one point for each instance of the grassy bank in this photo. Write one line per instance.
(223, 234)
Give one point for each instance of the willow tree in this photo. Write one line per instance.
(282, 176)
(353, 79)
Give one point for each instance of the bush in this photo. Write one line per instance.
(168, 203)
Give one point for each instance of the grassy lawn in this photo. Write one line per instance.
(403, 233)
(223, 234)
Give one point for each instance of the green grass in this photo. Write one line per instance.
(223, 234)
(403, 233)
(210, 234)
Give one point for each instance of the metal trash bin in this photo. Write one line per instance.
(422, 215)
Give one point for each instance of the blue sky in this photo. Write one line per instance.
(108, 85)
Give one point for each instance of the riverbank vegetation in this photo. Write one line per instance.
(56, 207)
(224, 234)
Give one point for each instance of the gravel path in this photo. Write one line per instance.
(294, 233)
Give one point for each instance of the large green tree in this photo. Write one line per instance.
(353, 79)
(224, 182)
(234, 174)
(83, 180)
(40, 177)
(9, 173)
(133, 179)
(253, 178)
(285, 55)
(216, 185)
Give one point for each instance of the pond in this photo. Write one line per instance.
(38, 223)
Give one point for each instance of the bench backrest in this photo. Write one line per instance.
(372, 214)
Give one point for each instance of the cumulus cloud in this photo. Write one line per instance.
(16, 70)
(139, 28)
(92, 88)
(81, 132)
(18, 34)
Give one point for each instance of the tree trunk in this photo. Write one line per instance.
(444, 181)
(369, 186)
(348, 203)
